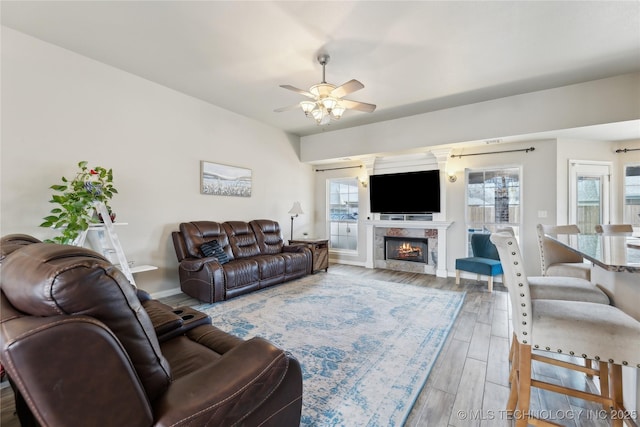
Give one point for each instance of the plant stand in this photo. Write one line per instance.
(104, 239)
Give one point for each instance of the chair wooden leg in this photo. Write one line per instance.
(513, 378)
(615, 378)
(512, 349)
(457, 277)
(490, 283)
(603, 367)
(524, 384)
(616, 384)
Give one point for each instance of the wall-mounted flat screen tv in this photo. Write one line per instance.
(405, 193)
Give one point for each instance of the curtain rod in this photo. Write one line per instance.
(526, 150)
(624, 150)
(333, 169)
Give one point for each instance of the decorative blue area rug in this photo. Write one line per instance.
(366, 347)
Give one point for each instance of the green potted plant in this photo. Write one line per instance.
(76, 200)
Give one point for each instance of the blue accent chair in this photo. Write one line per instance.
(485, 260)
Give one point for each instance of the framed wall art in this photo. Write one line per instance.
(224, 180)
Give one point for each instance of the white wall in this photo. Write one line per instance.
(604, 101)
(545, 180)
(544, 188)
(623, 159)
(538, 190)
(59, 108)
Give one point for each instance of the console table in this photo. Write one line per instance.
(319, 252)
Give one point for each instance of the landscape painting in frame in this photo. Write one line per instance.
(224, 180)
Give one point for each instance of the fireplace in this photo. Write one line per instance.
(413, 249)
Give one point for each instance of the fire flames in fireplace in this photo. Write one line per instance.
(406, 248)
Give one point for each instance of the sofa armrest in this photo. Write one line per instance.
(35, 352)
(197, 264)
(202, 278)
(296, 248)
(226, 392)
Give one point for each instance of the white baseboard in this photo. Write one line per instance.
(164, 294)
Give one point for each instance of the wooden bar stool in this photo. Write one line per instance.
(560, 288)
(581, 329)
(555, 259)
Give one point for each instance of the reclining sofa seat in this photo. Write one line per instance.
(83, 348)
(256, 253)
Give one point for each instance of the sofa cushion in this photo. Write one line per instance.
(242, 239)
(47, 279)
(242, 273)
(196, 233)
(213, 249)
(268, 235)
(479, 265)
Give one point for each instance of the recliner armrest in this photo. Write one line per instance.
(169, 322)
(56, 362)
(227, 391)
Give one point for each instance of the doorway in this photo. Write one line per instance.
(589, 194)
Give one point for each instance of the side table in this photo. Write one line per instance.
(319, 252)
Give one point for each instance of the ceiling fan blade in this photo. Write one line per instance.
(360, 106)
(288, 108)
(346, 88)
(300, 91)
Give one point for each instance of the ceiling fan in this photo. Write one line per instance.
(327, 100)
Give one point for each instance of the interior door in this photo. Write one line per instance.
(589, 194)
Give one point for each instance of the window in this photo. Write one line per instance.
(493, 200)
(631, 213)
(343, 213)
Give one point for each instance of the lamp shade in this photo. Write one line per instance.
(329, 103)
(296, 209)
(307, 106)
(337, 111)
(318, 114)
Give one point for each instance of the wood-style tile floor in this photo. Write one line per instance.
(468, 385)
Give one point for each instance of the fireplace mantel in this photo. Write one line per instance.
(441, 226)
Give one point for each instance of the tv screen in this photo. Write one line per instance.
(405, 193)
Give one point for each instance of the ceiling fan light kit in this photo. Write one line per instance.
(327, 102)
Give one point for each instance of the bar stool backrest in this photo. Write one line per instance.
(610, 229)
(515, 280)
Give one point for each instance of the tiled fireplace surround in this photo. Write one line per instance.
(434, 231)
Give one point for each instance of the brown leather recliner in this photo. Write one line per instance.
(83, 348)
(256, 253)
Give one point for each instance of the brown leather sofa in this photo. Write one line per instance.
(256, 253)
(82, 347)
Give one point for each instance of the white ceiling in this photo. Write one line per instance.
(412, 57)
